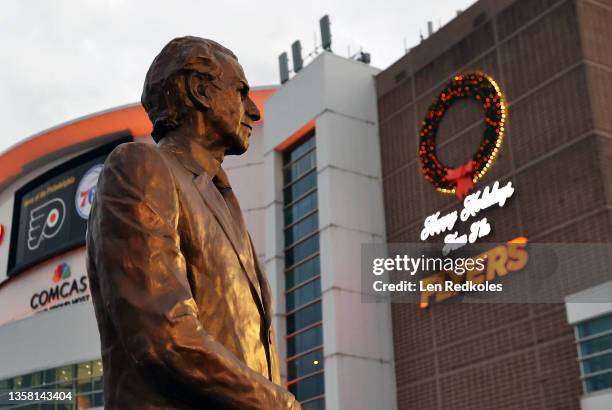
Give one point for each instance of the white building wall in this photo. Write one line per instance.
(49, 339)
(274, 261)
(246, 175)
(339, 95)
(579, 311)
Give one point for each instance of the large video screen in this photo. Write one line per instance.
(51, 211)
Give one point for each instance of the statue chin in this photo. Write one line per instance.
(238, 148)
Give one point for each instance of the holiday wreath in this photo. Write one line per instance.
(460, 181)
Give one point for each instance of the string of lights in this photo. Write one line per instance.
(485, 90)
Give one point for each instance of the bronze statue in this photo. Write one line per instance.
(182, 305)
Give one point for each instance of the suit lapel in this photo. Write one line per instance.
(216, 203)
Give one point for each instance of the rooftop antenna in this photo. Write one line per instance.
(296, 52)
(364, 57)
(421, 35)
(326, 37)
(429, 28)
(283, 65)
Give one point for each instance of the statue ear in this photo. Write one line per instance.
(198, 89)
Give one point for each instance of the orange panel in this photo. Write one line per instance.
(259, 97)
(296, 136)
(132, 118)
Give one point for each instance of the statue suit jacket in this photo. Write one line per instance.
(182, 305)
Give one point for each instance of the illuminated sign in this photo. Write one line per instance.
(62, 291)
(54, 283)
(50, 213)
(484, 90)
(472, 205)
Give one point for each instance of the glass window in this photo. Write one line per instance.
(307, 364)
(301, 208)
(600, 382)
(303, 272)
(303, 294)
(65, 377)
(597, 363)
(97, 384)
(84, 371)
(302, 264)
(595, 347)
(298, 151)
(98, 399)
(84, 386)
(317, 404)
(36, 378)
(309, 387)
(595, 326)
(302, 228)
(305, 340)
(18, 382)
(97, 368)
(302, 250)
(50, 376)
(300, 187)
(304, 317)
(26, 381)
(84, 379)
(300, 167)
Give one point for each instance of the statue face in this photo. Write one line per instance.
(232, 113)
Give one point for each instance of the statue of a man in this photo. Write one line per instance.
(182, 305)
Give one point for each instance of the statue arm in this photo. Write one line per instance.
(145, 290)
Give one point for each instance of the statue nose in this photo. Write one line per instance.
(252, 110)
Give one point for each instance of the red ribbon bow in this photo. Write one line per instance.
(463, 177)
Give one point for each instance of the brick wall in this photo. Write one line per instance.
(553, 59)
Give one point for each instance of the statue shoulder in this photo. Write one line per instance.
(139, 164)
(132, 153)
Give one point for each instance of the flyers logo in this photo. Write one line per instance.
(46, 221)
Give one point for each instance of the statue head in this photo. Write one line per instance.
(197, 86)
